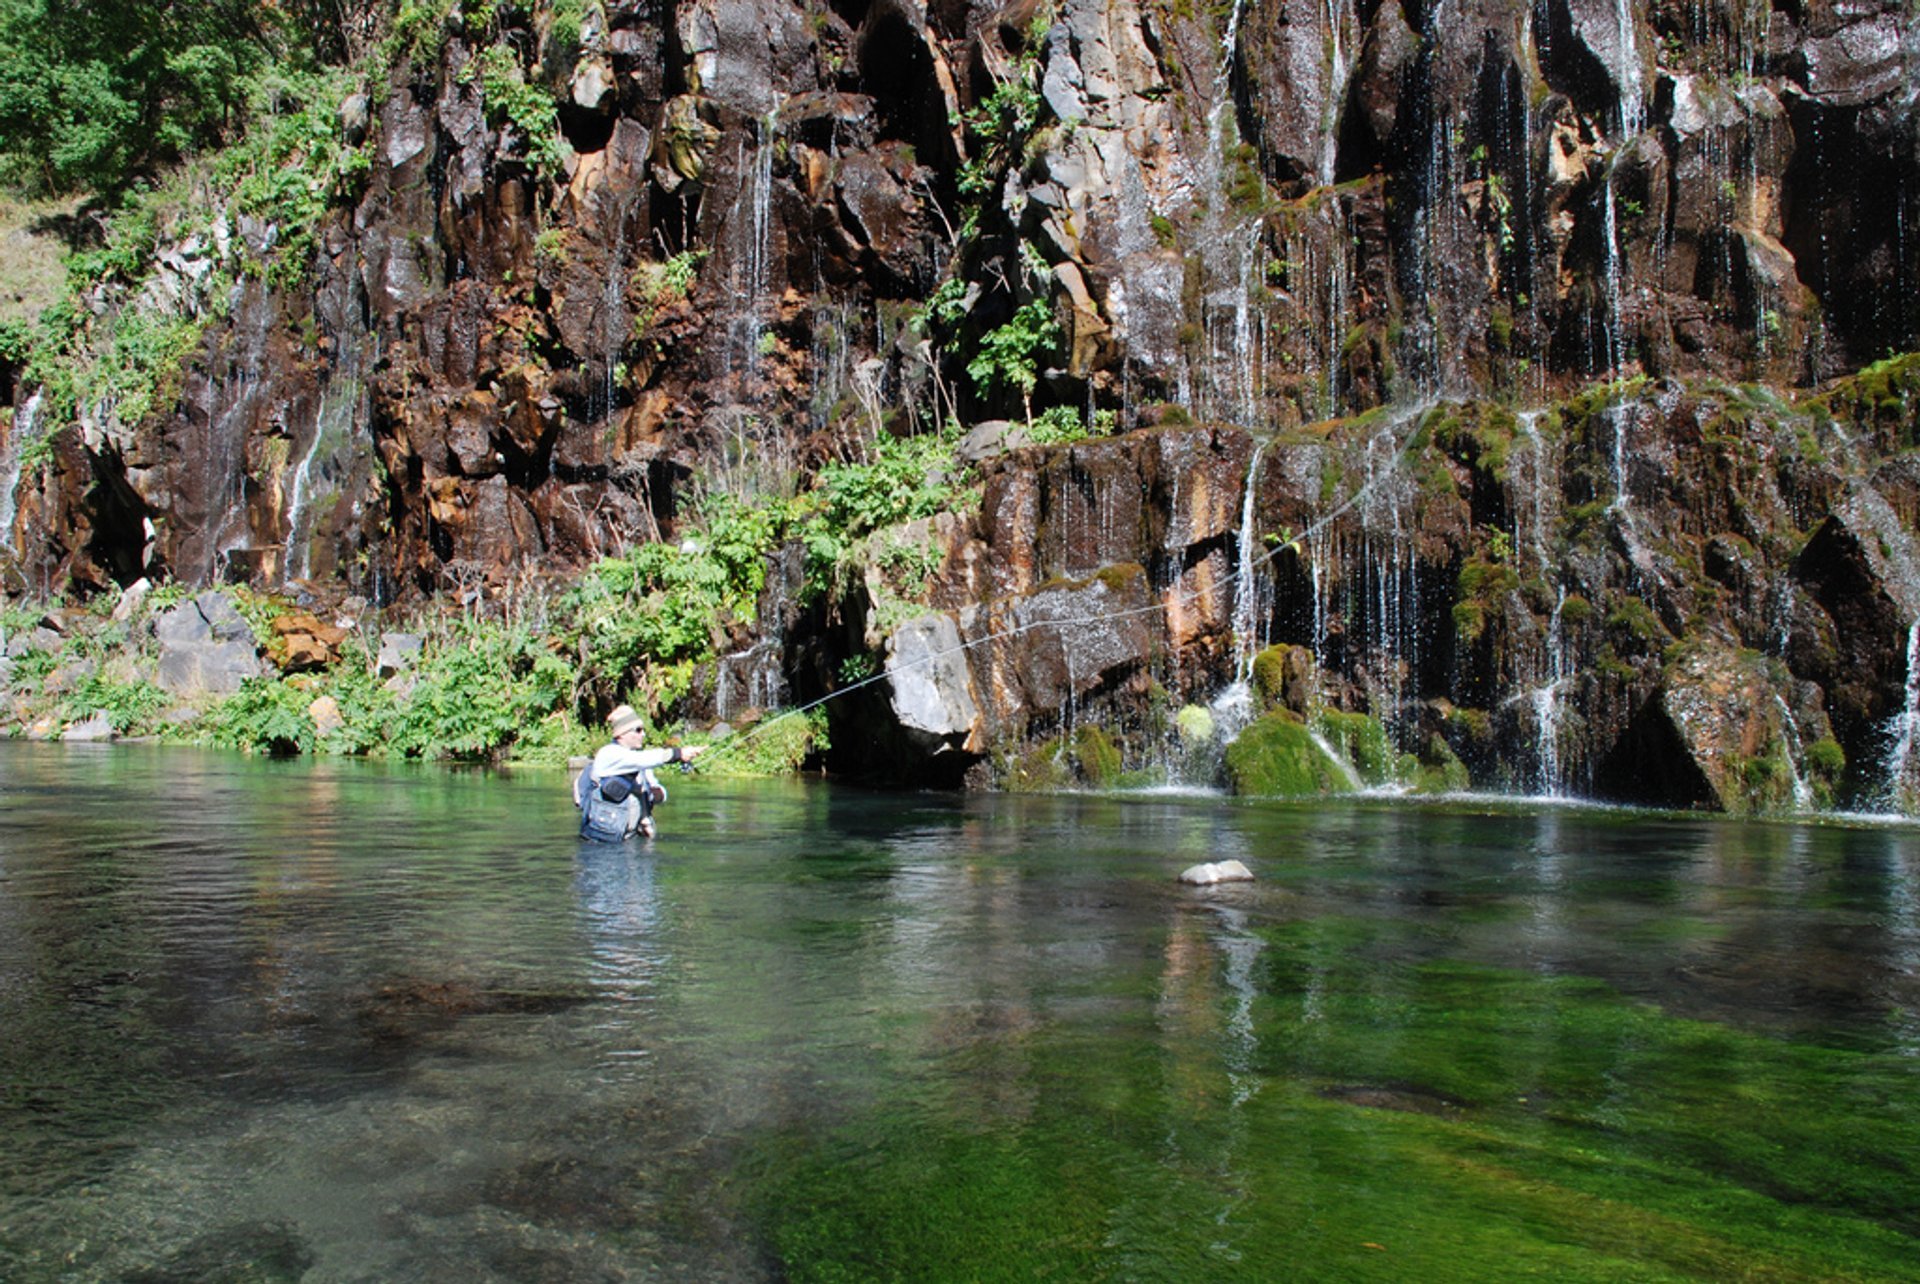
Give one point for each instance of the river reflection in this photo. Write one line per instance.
(344, 1021)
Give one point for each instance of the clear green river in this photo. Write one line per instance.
(340, 1021)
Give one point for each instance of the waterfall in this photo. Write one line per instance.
(1388, 583)
(1547, 715)
(1898, 789)
(26, 428)
(1246, 586)
(1610, 278)
(1633, 90)
(758, 274)
(753, 218)
(296, 550)
(1339, 69)
(1338, 759)
(615, 326)
(1796, 753)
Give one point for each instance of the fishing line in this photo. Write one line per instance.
(1412, 416)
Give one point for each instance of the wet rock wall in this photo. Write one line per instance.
(509, 356)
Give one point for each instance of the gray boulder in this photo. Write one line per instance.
(398, 652)
(98, 727)
(932, 691)
(206, 647)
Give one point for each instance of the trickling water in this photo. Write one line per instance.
(757, 193)
(1898, 788)
(1611, 279)
(1387, 573)
(1339, 16)
(1547, 708)
(296, 559)
(1246, 585)
(1347, 773)
(1796, 753)
(1633, 92)
(26, 428)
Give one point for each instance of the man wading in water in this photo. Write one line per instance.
(617, 792)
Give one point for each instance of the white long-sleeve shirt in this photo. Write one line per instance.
(618, 760)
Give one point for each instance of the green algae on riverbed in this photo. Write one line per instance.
(1443, 1121)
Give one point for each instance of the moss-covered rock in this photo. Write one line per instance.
(1283, 678)
(1277, 755)
(1362, 740)
(1438, 770)
(1096, 757)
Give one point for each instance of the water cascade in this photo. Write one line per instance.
(755, 204)
(1899, 787)
(26, 429)
(1796, 753)
(1390, 590)
(295, 561)
(1535, 478)
(1246, 582)
(1341, 44)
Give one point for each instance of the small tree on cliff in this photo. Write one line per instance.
(1009, 357)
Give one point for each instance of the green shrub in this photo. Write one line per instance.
(265, 716)
(779, 745)
(477, 690)
(130, 706)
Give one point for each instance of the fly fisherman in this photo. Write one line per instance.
(617, 792)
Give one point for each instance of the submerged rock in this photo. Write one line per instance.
(1226, 871)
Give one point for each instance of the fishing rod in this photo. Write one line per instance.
(1412, 416)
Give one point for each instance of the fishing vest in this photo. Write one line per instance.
(611, 809)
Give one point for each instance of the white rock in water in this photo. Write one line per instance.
(1226, 871)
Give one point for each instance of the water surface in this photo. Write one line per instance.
(337, 1021)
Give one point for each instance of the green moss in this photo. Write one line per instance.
(1270, 674)
(1475, 726)
(1044, 768)
(1276, 756)
(1096, 756)
(1362, 741)
(1481, 585)
(1631, 617)
(1438, 770)
(1826, 759)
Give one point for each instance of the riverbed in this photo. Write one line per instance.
(328, 1020)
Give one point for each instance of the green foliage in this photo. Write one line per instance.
(905, 478)
(95, 94)
(1009, 357)
(131, 706)
(658, 605)
(294, 164)
(1001, 126)
(778, 746)
(564, 33)
(528, 109)
(264, 716)
(476, 690)
(1058, 424)
(659, 285)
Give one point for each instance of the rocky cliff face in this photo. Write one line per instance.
(1511, 328)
